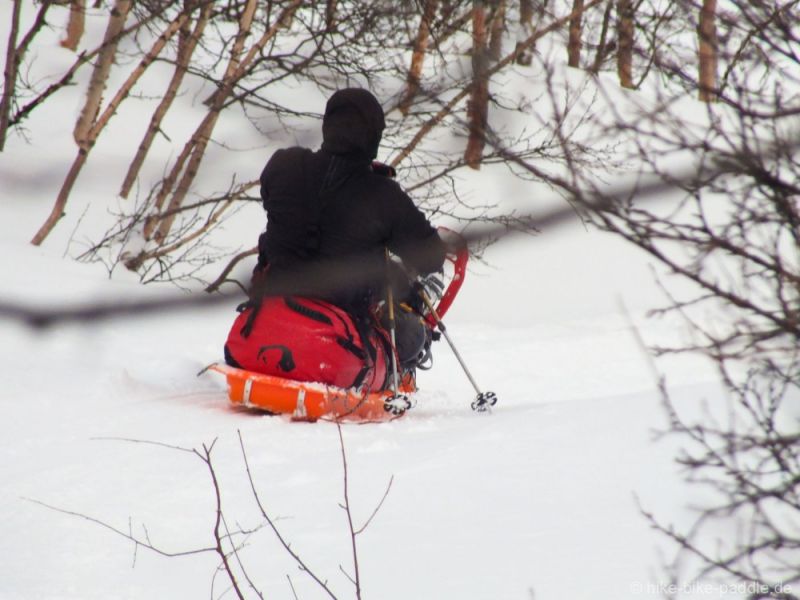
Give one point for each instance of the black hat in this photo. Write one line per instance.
(353, 124)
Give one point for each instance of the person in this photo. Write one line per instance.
(338, 206)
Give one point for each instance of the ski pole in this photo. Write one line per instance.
(393, 334)
(484, 400)
(397, 403)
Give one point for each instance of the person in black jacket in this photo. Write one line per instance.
(335, 204)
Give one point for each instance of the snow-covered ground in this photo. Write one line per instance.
(540, 497)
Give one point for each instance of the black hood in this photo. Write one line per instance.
(353, 124)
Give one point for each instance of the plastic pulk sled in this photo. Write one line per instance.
(308, 359)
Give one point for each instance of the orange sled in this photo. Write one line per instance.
(305, 401)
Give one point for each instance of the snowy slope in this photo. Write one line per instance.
(538, 495)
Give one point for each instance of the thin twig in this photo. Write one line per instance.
(206, 457)
(378, 507)
(356, 579)
(128, 536)
(271, 523)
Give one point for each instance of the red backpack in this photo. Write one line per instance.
(308, 340)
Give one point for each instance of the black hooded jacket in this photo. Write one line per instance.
(330, 204)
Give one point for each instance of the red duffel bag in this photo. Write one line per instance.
(307, 340)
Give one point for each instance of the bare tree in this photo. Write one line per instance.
(478, 108)
(750, 460)
(86, 136)
(75, 25)
(418, 55)
(83, 128)
(185, 168)
(102, 69)
(497, 29)
(575, 34)
(733, 231)
(23, 102)
(15, 53)
(625, 31)
(526, 29)
(707, 53)
(163, 233)
(179, 180)
(187, 43)
(229, 543)
(10, 71)
(604, 46)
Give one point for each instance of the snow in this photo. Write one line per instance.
(540, 494)
(539, 497)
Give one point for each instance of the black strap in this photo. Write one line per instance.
(364, 331)
(229, 360)
(341, 319)
(361, 376)
(348, 345)
(286, 362)
(307, 311)
(254, 306)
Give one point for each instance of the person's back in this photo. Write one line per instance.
(330, 204)
(327, 210)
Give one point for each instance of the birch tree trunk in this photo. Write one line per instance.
(625, 51)
(478, 106)
(77, 13)
(525, 53)
(331, 7)
(418, 56)
(99, 79)
(9, 73)
(575, 34)
(90, 136)
(15, 52)
(194, 150)
(497, 29)
(603, 47)
(186, 47)
(707, 34)
(91, 108)
(450, 106)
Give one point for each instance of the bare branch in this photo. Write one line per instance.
(271, 523)
(377, 508)
(77, 14)
(145, 543)
(356, 579)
